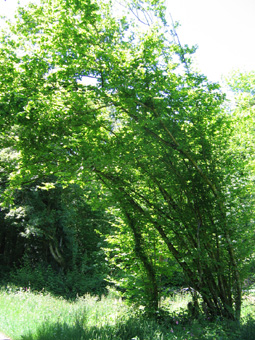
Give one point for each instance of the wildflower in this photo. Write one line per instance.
(171, 330)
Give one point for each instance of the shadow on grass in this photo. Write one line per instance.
(124, 330)
(143, 329)
(66, 332)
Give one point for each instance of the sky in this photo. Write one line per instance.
(223, 30)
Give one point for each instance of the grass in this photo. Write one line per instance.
(40, 316)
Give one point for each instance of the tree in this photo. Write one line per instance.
(242, 142)
(149, 130)
(54, 233)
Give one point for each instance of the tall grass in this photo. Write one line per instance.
(25, 315)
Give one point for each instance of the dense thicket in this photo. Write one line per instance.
(52, 239)
(148, 130)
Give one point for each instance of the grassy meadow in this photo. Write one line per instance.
(27, 315)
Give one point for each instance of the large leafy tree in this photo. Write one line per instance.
(147, 128)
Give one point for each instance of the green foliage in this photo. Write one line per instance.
(51, 240)
(43, 277)
(242, 141)
(39, 278)
(242, 82)
(149, 134)
(126, 271)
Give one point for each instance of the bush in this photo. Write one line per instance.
(69, 284)
(41, 277)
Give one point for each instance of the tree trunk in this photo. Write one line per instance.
(152, 292)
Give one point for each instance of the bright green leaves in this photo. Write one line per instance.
(242, 142)
(242, 82)
(243, 116)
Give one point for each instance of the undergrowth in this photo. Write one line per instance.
(27, 315)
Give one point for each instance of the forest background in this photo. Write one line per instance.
(142, 178)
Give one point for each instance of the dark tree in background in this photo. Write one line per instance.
(54, 232)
